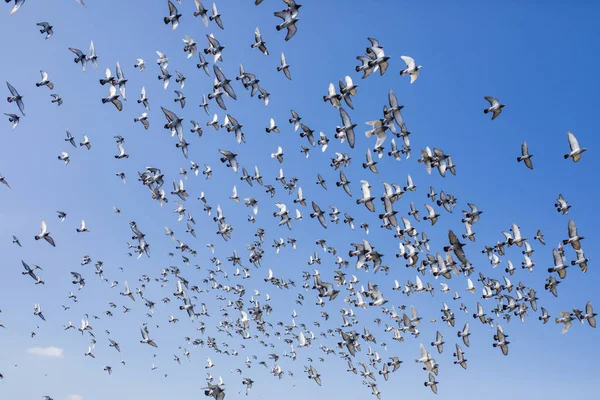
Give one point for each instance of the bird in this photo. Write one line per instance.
(495, 107)
(86, 142)
(143, 118)
(145, 336)
(16, 98)
(80, 57)
(284, 67)
(4, 181)
(525, 156)
(173, 17)
(140, 63)
(113, 97)
(216, 16)
(259, 43)
(45, 81)
(44, 234)
(82, 227)
(46, 28)
(14, 119)
(576, 151)
(290, 19)
(56, 99)
(201, 12)
(411, 68)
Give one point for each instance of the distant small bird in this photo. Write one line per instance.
(290, 19)
(495, 107)
(525, 156)
(4, 182)
(141, 64)
(56, 99)
(576, 151)
(216, 16)
(173, 17)
(64, 156)
(45, 81)
(201, 12)
(272, 127)
(82, 227)
(284, 67)
(113, 97)
(44, 234)
(86, 142)
(411, 68)
(259, 42)
(14, 119)
(46, 28)
(16, 98)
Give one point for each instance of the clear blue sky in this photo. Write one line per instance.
(539, 58)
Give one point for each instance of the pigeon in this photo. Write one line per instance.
(82, 227)
(121, 81)
(575, 153)
(143, 118)
(411, 68)
(284, 67)
(46, 28)
(70, 139)
(64, 156)
(56, 99)
(4, 182)
(495, 107)
(347, 130)
(16, 98)
(173, 17)
(140, 63)
(180, 98)
(290, 19)
(44, 234)
(216, 16)
(525, 156)
(81, 58)
(113, 97)
(45, 81)
(86, 142)
(259, 43)
(272, 127)
(92, 56)
(14, 119)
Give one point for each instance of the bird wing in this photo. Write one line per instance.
(410, 63)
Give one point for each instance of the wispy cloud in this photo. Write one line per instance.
(46, 351)
(75, 397)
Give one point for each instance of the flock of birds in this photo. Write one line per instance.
(246, 312)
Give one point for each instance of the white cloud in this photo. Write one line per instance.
(75, 397)
(46, 352)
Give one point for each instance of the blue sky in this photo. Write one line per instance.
(538, 59)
